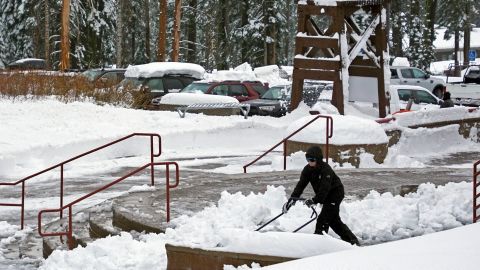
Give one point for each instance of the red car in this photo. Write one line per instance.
(241, 90)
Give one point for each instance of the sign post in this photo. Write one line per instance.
(472, 55)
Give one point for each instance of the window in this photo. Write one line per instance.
(394, 74)
(418, 74)
(404, 94)
(221, 90)
(173, 84)
(260, 89)
(425, 97)
(110, 76)
(196, 87)
(238, 90)
(155, 85)
(407, 73)
(186, 80)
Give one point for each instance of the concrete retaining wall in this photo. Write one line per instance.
(465, 129)
(344, 153)
(186, 258)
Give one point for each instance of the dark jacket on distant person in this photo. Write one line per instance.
(447, 101)
(326, 184)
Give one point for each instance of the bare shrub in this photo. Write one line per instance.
(67, 87)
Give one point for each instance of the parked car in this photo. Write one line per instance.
(28, 64)
(401, 75)
(276, 101)
(241, 90)
(160, 78)
(398, 97)
(103, 77)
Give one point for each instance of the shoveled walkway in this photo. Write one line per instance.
(198, 189)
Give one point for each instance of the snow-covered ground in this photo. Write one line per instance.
(37, 134)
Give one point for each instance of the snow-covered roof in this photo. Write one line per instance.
(342, 2)
(441, 44)
(20, 61)
(160, 69)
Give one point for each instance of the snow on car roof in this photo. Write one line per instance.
(160, 69)
(27, 60)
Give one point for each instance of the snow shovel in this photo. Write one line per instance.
(312, 217)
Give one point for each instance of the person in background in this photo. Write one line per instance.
(329, 192)
(447, 101)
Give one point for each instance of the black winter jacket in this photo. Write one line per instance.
(326, 184)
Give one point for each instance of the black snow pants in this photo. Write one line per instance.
(330, 217)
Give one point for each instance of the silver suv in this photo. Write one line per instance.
(414, 76)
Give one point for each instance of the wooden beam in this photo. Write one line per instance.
(315, 74)
(316, 41)
(318, 10)
(364, 38)
(297, 90)
(312, 63)
(363, 71)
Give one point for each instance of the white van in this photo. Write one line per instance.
(398, 97)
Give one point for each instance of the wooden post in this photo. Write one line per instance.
(297, 83)
(176, 31)
(162, 31)
(65, 38)
(382, 53)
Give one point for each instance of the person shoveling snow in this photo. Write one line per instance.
(329, 192)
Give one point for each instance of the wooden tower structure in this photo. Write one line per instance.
(354, 58)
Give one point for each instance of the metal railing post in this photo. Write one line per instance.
(61, 190)
(475, 194)
(151, 162)
(70, 229)
(23, 205)
(167, 179)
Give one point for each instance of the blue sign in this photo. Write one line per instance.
(472, 55)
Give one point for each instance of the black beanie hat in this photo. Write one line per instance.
(314, 152)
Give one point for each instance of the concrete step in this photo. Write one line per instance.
(142, 211)
(80, 233)
(100, 221)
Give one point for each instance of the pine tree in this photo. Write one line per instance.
(16, 27)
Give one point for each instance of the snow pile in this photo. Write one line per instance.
(434, 115)
(346, 130)
(160, 69)
(273, 243)
(428, 210)
(401, 61)
(270, 74)
(195, 98)
(230, 225)
(452, 249)
(244, 72)
(231, 75)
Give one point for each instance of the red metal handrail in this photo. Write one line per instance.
(476, 194)
(69, 232)
(61, 164)
(329, 134)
